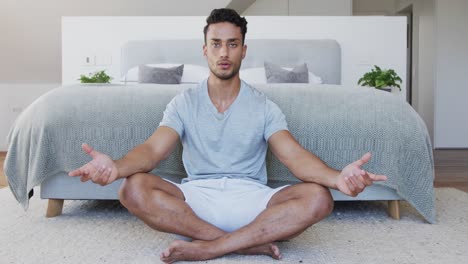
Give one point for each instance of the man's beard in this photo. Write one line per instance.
(226, 77)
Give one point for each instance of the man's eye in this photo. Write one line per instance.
(215, 44)
(233, 45)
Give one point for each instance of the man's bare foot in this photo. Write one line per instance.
(270, 249)
(200, 250)
(183, 250)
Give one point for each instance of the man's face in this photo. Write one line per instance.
(224, 50)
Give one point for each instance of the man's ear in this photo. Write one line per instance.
(244, 51)
(204, 50)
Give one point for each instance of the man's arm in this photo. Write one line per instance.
(146, 156)
(143, 158)
(303, 164)
(309, 168)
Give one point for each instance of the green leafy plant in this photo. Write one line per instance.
(380, 79)
(97, 77)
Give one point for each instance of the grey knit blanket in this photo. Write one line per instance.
(336, 123)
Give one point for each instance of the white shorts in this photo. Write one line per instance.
(228, 204)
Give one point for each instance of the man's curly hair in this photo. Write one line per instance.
(226, 15)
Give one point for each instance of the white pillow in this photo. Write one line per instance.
(257, 75)
(253, 75)
(192, 73)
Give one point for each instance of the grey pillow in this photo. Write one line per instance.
(148, 74)
(276, 74)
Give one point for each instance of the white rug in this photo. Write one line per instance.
(356, 232)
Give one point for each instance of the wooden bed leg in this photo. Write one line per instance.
(54, 208)
(394, 209)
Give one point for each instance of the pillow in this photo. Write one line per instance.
(313, 78)
(276, 74)
(253, 75)
(147, 74)
(192, 73)
(257, 75)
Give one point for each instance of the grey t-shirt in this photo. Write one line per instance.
(232, 144)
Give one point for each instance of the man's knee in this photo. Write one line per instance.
(326, 202)
(319, 202)
(133, 190)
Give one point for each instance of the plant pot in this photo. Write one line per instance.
(99, 84)
(387, 89)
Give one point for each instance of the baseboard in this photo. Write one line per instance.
(3, 179)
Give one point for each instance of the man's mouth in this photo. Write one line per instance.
(224, 65)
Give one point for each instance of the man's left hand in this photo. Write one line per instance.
(353, 180)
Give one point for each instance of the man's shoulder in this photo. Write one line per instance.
(191, 92)
(254, 92)
(261, 99)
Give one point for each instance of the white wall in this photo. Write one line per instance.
(320, 7)
(31, 30)
(268, 8)
(300, 8)
(423, 72)
(451, 89)
(374, 7)
(15, 97)
(362, 39)
(441, 55)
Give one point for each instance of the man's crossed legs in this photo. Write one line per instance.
(161, 205)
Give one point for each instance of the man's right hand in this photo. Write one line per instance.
(101, 170)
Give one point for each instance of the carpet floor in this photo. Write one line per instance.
(356, 232)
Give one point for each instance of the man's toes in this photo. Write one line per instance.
(164, 256)
(276, 252)
(169, 255)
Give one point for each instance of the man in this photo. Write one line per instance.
(225, 127)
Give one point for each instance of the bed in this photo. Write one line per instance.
(45, 140)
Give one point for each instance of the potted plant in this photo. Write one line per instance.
(381, 79)
(97, 77)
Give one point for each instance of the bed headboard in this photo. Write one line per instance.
(323, 56)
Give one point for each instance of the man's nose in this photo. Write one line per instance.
(224, 51)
